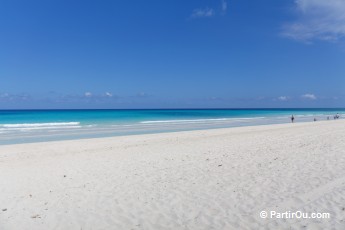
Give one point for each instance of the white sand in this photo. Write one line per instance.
(214, 179)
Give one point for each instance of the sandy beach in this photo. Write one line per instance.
(210, 179)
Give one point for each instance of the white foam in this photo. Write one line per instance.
(201, 120)
(8, 128)
(250, 118)
(2, 130)
(27, 125)
(182, 121)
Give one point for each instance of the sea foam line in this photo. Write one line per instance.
(201, 120)
(39, 128)
(30, 125)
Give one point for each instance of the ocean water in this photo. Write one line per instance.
(23, 126)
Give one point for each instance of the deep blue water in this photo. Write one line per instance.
(19, 126)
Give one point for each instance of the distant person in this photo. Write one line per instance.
(314, 119)
(292, 118)
(328, 118)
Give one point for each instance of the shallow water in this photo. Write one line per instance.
(22, 126)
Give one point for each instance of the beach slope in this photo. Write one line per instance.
(210, 179)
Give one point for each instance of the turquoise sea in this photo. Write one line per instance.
(22, 126)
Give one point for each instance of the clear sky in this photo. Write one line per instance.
(172, 54)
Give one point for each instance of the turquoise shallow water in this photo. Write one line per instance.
(21, 126)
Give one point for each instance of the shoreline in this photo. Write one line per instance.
(205, 179)
(39, 126)
(111, 134)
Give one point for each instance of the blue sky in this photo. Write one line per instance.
(172, 54)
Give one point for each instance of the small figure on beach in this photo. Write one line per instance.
(292, 118)
(314, 119)
(328, 118)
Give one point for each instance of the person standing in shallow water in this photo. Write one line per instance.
(292, 118)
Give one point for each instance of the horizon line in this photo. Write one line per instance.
(245, 108)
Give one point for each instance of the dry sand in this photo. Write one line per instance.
(212, 179)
